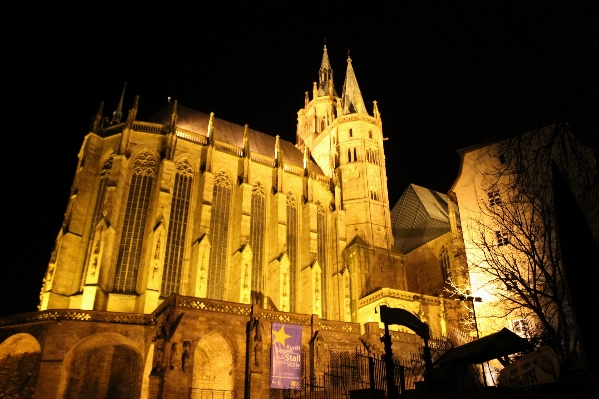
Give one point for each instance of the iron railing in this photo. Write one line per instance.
(199, 393)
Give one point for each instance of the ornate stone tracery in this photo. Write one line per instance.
(184, 168)
(145, 163)
(222, 180)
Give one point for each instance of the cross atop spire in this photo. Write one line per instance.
(351, 98)
(325, 75)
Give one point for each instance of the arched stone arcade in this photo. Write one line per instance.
(213, 367)
(20, 357)
(104, 365)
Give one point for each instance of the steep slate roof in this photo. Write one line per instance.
(351, 97)
(420, 215)
(231, 133)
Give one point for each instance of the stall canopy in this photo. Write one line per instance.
(494, 346)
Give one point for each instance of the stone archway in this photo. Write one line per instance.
(20, 357)
(213, 367)
(145, 383)
(104, 365)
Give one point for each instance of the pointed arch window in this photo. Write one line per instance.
(219, 233)
(322, 242)
(257, 232)
(96, 216)
(177, 229)
(138, 200)
(355, 155)
(292, 247)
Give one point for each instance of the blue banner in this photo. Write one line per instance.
(286, 356)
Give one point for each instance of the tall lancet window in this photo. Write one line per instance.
(257, 229)
(138, 200)
(96, 216)
(177, 229)
(292, 249)
(322, 260)
(219, 232)
(445, 265)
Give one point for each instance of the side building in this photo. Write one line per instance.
(518, 198)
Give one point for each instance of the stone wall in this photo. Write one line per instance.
(186, 346)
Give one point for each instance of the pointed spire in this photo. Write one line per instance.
(118, 114)
(351, 97)
(325, 75)
(325, 59)
(171, 141)
(210, 128)
(246, 142)
(132, 113)
(278, 154)
(174, 117)
(98, 118)
(135, 106)
(375, 111)
(306, 161)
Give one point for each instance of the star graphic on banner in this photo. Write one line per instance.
(281, 336)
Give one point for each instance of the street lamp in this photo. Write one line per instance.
(472, 299)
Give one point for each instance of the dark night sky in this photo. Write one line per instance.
(445, 76)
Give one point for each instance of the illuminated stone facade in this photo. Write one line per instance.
(185, 236)
(191, 204)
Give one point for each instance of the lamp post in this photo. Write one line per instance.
(473, 299)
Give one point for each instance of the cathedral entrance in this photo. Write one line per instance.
(213, 368)
(102, 366)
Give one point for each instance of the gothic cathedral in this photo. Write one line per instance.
(188, 203)
(188, 238)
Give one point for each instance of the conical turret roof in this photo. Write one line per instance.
(351, 98)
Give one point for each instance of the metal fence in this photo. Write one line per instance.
(354, 370)
(199, 393)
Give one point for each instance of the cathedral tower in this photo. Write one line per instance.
(347, 143)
